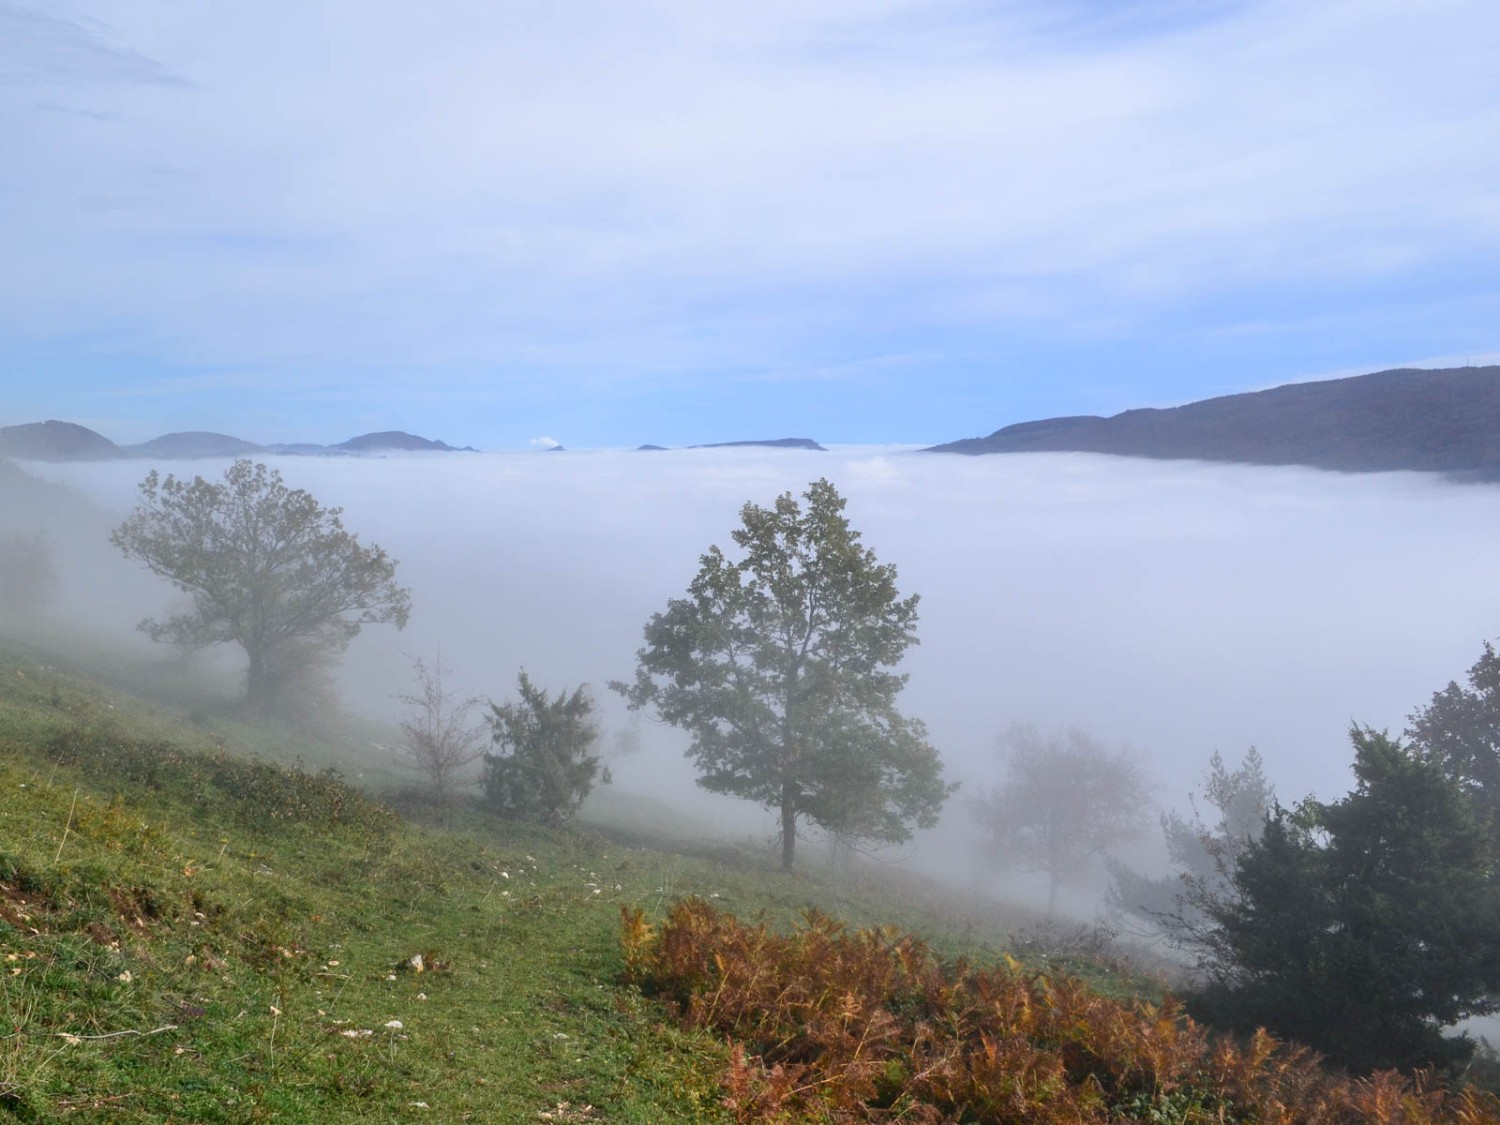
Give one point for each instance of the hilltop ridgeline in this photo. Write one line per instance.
(1443, 420)
(767, 443)
(68, 441)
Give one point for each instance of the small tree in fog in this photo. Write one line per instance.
(778, 666)
(268, 569)
(545, 764)
(1203, 854)
(28, 573)
(437, 736)
(1065, 802)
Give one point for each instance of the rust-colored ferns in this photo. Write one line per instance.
(850, 1026)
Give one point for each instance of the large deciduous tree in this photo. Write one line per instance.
(268, 568)
(1364, 927)
(779, 665)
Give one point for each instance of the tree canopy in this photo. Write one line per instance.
(268, 568)
(1065, 802)
(1366, 926)
(1203, 853)
(1460, 731)
(779, 665)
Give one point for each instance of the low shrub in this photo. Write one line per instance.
(829, 1024)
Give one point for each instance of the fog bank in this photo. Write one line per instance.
(1176, 607)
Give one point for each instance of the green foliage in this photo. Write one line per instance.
(545, 766)
(268, 568)
(1204, 854)
(1066, 801)
(1460, 730)
(779, 667)
(1365, 926)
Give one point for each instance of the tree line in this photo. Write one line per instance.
(780, 665)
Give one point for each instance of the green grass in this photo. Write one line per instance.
(189, 933)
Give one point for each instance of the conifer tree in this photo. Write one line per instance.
(1364, 927)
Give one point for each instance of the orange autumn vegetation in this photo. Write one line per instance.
(832, 1025)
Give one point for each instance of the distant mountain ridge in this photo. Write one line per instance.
(1432, 420)
(397, 440)
(68, 441)
(767, 443)
(196, 443)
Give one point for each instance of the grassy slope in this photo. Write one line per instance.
(210, 940)
(257, 939)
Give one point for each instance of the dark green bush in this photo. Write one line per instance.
(545, 766)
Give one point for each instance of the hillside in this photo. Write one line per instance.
(189, 932)
(192, 933)
(1429, 420)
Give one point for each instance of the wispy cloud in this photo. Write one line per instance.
(673, 190)
(39, 47)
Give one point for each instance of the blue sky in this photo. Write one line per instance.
(857, 220)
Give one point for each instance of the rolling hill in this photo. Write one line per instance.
(68, 441)
(1445, 420)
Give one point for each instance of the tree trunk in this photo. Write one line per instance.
(788, 824)
(257, 683)
(1052, 882)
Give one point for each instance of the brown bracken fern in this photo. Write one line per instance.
(833, 1025)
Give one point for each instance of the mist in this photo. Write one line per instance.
(1176, 608)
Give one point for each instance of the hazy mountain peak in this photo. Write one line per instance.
(393, 440)
(56, 441)
(193, 443)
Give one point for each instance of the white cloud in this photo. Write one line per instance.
(481, 182)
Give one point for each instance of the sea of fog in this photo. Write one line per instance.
(1176, 607)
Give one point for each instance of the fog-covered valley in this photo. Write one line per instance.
(1176, 608)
